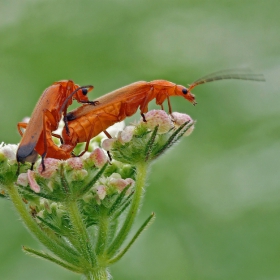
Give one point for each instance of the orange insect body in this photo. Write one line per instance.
(88, 121)
(110, 108)
(48, 111)
(82, 130)
(136, 95)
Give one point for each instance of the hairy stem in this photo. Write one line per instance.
(98, 274)
(35, 229)
(141, 173)
(80, 233)
(102, 234)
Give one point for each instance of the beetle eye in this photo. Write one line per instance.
(184, 90)
(84, 91)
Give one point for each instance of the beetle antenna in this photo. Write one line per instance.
(226, 75)
(70, 97)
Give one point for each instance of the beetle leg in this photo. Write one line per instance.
(143, 116)
(65, 120)
(21, 125)
(107, 134)
(144, 105)
(169, 105)
(109, 155)
(110, 137)
(90, 102)
(58, 136)
(66, 124)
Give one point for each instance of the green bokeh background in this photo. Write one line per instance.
(217, 194)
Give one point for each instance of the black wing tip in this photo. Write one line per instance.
(26, 153)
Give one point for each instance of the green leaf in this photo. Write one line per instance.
(144, 226)
(92, 181)
(173, 138)
(118, 201)
(45, 256)
(150, 143)
(49, 225)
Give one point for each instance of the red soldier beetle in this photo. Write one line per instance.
(45, 118)
(88, 121)
(139, 94)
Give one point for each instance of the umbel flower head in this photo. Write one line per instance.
(147, 140)
(82, 209)
(140, 142)
(8, 165)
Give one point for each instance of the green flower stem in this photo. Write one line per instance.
(99, 274)
(141, 173)
(35, 229)
(80, 233)
(102, 233)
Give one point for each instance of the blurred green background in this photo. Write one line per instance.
(216, 194)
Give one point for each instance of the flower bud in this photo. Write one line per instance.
(160, 118)
(101, 191)
(9, 152)
(120, 184)
(75, 163)
(75, 166)
(126, 135)
(99, 158)
(51, 167)
(45, 204)
(32, 181)
(116, 181)
(107, 144)
(180, 118)
(22, 179)
(78, 175)
(130, 182)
